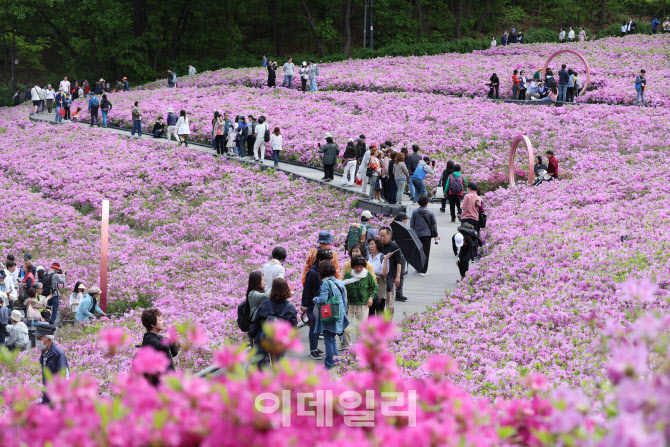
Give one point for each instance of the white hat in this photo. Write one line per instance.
(366, 214)
(304, 63)
(39, 267)
(327, 135)
(94, 290)
(16, 315)
(459, 240)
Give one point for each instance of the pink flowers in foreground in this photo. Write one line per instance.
(111, 339)
(149, 361)
(281, 336)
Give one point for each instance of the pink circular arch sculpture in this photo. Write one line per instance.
(512, 156)
(586, 64)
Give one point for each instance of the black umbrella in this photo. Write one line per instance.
(409, 244)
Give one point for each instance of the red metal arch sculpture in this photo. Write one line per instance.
(586, 64)
(512, 156)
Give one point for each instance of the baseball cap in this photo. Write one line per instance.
(458, 239)
(27, 256)
(366, 214)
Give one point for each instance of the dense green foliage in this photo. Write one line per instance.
(142, 38)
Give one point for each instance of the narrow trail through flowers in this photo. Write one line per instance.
(423, 293)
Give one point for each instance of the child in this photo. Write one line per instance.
(274, 269)
(230, 143)
(75, 115)
(152, 320)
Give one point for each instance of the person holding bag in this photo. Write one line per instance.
(361, 288)
(332, 306)
(424, 223)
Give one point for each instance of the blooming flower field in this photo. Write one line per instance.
(186, 229)
(557, 258)
(614, 64)
(476, 133)
(557, 337)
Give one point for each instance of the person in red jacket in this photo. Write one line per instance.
(552, 165)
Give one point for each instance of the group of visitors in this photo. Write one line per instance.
(571, 35)
(385, 173)
(307, 73)
(336, 297)
(566, 89)
(508, 39)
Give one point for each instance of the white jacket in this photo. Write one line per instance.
(182, 126)
(276, 141)
(75, 300)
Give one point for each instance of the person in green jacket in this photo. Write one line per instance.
(361, 288)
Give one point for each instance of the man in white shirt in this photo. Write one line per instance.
(11, 281)
(561, 36)
(571, 35)
(259, 144)
(35, 97)
(274, 269)
(191, 70)
(65, 85)
(288, 72)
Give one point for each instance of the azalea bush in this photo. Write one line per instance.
(476, 133)
(186, 230)
(557, 259)
(614, 63)
(296, 403)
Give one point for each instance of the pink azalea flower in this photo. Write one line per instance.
(149, 361)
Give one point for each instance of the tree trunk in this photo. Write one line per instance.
(459, 17)
(139, 17)
(539, 14)
(310, 20)
(419, 10)
(178, 31)
(347, 28)
(228, 17)
(482, 18)
(275, 27)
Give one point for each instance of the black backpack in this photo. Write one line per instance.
(266, 136)
(244, 315)
(46, 284)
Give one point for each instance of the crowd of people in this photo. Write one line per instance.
(627, 28)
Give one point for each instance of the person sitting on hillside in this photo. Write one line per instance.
(533, 91)
(552, 95)
(552, 168)
(666, 25)
(539, 165)
(159, 128)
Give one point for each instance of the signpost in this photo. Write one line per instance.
(104, 252)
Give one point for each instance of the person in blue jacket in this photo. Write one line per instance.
(654, 25)
(331, 328)
(89, 305)
(52, 357)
